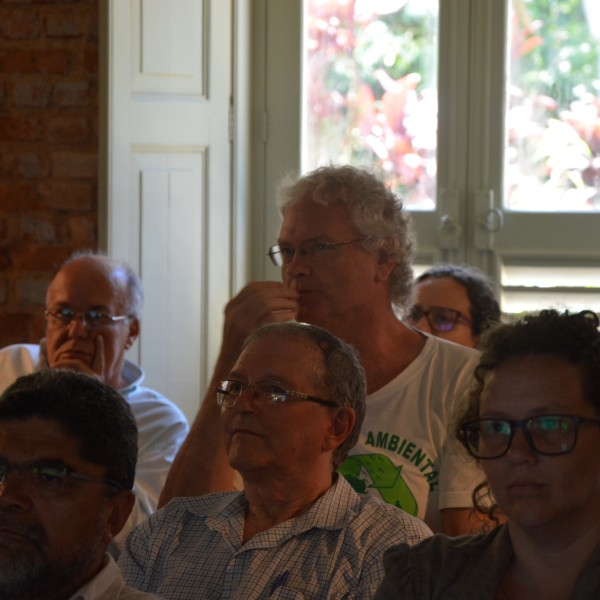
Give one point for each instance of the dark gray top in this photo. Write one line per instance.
(444, 568)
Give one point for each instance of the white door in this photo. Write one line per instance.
(169, 199)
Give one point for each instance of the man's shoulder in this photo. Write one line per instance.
(21, 353)
(150, 407)
(441, 364)
(372, 518)
(445, 360)
(445, 350)
(388, 517)
(17, 360)
(207, 505)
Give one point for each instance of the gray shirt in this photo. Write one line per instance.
(443, 568)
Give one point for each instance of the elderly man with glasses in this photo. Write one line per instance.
(92, 318)
(345, 251)
(291, 408)
(68, 446)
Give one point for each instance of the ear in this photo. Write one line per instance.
(386, 261)
(341, 425)
(119, 506)
(132, 334)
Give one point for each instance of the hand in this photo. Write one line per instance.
(257, 303)
(96, 369)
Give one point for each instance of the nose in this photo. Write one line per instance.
(78, 326)
(247, 400)
(520, 449)
(13, 493)
(299, 265)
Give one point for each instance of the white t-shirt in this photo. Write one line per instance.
(406, 453)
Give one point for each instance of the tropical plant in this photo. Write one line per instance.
(372, 95)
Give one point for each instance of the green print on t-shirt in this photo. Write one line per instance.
(407, 450)
(377, 471)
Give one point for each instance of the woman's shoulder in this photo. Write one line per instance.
(442, 566)
(442, 547)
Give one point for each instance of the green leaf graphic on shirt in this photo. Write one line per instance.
(377, 471)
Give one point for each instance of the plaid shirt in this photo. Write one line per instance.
(193, 549)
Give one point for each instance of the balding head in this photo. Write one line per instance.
(92, 306)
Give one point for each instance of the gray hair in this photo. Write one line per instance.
(341, 373)
(375, 210)
(134, 293)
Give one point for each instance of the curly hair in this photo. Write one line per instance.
(485, 310)
(376, 211)
(573, 337)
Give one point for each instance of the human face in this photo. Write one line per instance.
(448, 293)
(293, 439)
(346, 281)
(557, 494)
(84, 285)
(52, 543)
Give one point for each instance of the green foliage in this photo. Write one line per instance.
(373, 97)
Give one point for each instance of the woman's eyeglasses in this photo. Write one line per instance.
(440, 318)
(550, 435)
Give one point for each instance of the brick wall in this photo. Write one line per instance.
(48, 150)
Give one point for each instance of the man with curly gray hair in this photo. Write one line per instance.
(345, 250)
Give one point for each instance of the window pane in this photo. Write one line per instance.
(553, 153)
(534, 287)
(370, 90)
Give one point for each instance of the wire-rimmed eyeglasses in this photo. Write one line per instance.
(49, 479)
(228, 391)
(440, 318)
(550, 435)
(283, 254)
(92, 319)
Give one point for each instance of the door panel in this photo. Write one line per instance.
(169, 180)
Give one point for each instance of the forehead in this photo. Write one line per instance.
(86, 282)
(306, 219)
(296, 361)
(536, 383)
(23, 440)
(442, 291)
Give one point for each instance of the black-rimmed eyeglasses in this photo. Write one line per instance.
(550, 435)
(228, 391)
(51, 480)
(283, 254)
(440, 318)
(92, 319)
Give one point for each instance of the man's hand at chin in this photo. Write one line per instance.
(96, 369)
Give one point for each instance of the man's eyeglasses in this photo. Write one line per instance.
(283, 254)
(550, 435)
(229, 391)
(50, 480)
(440, 318)
(92, 319)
